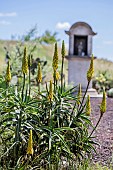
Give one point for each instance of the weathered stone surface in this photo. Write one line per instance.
(80, 29)
(78, 71)
(80, 51)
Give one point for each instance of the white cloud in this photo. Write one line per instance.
(63, 25)
(10, 14)
(4, 22)
(108, 42)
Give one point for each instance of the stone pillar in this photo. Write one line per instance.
(78, 63)
(89, 45)
(77, 71)
(71, 42)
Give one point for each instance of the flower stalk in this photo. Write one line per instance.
(55, 64)
(29, 64)
(79, 94)
(8, 74)
(50, 95)
(90, 72)
(25, 63)
(88, 106)
(30, 144)
(63, 55)
(89, 77)
(102, 111)
(55, 58)
(24, 70)
(103, 104)
(39, 77)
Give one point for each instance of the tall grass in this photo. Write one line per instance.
(102, 65)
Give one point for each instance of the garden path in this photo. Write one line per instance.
(104, 132)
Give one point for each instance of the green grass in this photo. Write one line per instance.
(43, 52)
(46, 53)
(102, 65)
(9, 45)
(2, 56)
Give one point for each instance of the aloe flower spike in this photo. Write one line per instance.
(30, 144)
(25, 63)
(103, 104)
(63, 49)
(39, 76)
(8, 73)
(55, 58)
(91, 70)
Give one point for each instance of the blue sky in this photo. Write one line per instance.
(18, 16)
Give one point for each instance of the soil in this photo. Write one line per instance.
(104, 131)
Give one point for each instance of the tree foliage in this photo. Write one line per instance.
(49, 38)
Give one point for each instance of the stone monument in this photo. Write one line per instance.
(79, 55)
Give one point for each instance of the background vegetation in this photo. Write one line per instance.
(45, 52)
(59, 140)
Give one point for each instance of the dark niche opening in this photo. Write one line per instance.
(80, 45)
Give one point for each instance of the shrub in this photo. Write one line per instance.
(110, 92)
(102, 80)
(56, 120)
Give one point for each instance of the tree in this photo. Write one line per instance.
(30, 34)
(49, 38)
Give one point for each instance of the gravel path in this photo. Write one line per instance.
(104, 132)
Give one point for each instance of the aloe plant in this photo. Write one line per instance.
(57, 119)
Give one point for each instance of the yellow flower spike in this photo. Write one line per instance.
(39, 75)
(8, 73)
(55, 58)
(25, 63)
(30, 144)
(57, 76)
(79, 93)
(63, 49)
(88, 106)
(91, 70)
(50, 96)
(103, 104)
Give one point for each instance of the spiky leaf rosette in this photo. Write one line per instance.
(25, 63)
(63, 49)
(91, 70)
(30, 144)
(50, 96)
(8, 73)
(39, 75)
(88, 106)
(55, 58)
(103, 104)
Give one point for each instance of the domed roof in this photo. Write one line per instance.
(81, 24)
